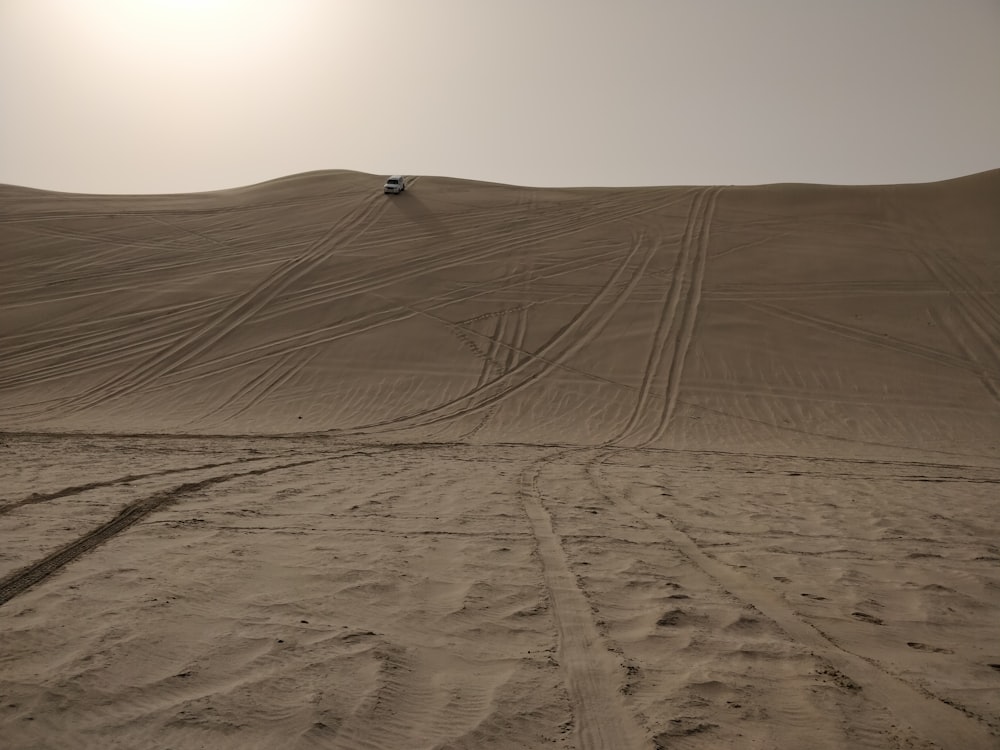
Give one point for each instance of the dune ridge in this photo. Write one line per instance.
(478, 465)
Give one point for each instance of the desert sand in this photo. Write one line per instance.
(301, 465)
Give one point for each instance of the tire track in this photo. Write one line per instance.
(511, 358)
(837, 290)
(927, 714)
(796, 458)
(418, 267)
(105, 213)
(241, 310)
(675, 327)
(99, 359)
(492, 367)
(363, 324)
(472, 346)
(390, 271)
(666, 324)
(95, 329)
(975, 308)
(293, 365)
(186, 345)
(690, 317)
(990, 381)
(569, 339)
(593, 674)
(21, 580)
(76, 355)
(470, 225)
(371, 321)
(41, 291)
(516, 351)
(283, 369)
(38, 497)
(172, 351)
(200, 235)
(751, 243)
(71, 260)
(491, 362)
(769, 390)
(25, 578)
(867, 337)
(75, 259)
(853, 441)
(980, 318)
(949, 270)
(320, 294)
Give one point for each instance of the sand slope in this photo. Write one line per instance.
(653, 317)
(304, 465)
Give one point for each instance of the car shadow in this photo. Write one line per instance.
(415, 210)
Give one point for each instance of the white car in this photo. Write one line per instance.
(395, 184)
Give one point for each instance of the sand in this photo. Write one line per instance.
(302, 465)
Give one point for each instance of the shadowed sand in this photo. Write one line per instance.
(304, 465)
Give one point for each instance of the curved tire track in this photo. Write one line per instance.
(689, 317)
(241, 310)
(665, 325)
(974, 307)
(79, 488)
(564, 344)
(21, 580)
(369, 321)
(675, 328)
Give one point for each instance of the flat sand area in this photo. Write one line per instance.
(302, 465)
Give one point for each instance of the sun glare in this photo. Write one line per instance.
(191, 29)
(194, 15)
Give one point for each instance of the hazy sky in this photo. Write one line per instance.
(178, 95)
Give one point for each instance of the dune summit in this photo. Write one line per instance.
(475, 465)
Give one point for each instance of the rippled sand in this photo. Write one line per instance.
(304, 465)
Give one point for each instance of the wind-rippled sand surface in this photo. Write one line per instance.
(303, 465)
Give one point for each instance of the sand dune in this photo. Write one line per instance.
(303, 465)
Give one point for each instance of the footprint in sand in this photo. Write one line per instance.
(672, 618)
(865, 617)
(925, 647)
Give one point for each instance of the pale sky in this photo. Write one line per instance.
(145, 96)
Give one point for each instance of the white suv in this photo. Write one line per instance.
(395, 184)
